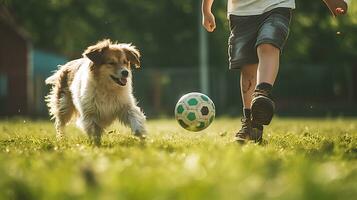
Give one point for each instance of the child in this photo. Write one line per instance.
(259, 29)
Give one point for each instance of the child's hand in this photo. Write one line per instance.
(209, 22)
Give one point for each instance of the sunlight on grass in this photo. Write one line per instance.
(300, 159)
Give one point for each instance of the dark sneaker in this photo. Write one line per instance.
(256, 133)
(249, 132)
(243, 134)
(263, 107)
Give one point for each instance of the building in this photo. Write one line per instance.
(23, 71)
(15, 67)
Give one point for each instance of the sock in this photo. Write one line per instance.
(265, 86)
(246, 113)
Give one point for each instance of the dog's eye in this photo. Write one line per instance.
(112, 63)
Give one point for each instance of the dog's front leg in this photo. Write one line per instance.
(136, 119)
(96, 134)
(93, 130)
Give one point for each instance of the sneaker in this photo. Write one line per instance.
(243, 134)
(249, 132)
(263, 107)
(256, 133)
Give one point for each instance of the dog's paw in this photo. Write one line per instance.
(140, 134)
(59, 137)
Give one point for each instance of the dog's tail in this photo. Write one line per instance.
(56, 76)
(55, 99)
(51, 80)
(61, 75)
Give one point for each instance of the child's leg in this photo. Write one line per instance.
(272, 35)
(248, 81)
(268, 63)
(262, 105)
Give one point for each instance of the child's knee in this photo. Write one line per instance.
(267, 48)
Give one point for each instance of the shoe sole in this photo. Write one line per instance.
(240, 140)
(262, 110)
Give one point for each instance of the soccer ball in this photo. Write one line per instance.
(195, 111)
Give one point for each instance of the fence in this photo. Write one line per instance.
(306, 90)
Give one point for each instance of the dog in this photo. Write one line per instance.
(96, 90)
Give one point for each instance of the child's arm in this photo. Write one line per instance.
(208, 20)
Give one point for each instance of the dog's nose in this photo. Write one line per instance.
(125, 73)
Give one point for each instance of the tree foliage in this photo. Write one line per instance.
(167, 31)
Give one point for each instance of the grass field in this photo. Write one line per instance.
(300, 159)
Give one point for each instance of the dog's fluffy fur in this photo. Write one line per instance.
(96, 90)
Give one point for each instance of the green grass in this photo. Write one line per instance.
(301, 159)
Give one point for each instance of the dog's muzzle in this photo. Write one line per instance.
(119, 81)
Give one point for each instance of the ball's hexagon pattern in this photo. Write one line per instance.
(204, 98)
(180, 109)
(194, 111)
(204, 110)
(201, 125)
(192, 102)
(182, 123)
(210, 120)
(191, 116)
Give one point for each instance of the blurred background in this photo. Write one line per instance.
(318, 73)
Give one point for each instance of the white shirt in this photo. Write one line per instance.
(256, 7)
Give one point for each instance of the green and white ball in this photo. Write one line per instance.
(195, 111)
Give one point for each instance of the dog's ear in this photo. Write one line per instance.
(95, 52)
(132, 54)
(95, 56)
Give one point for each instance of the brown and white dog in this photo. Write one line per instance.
(96, 90)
